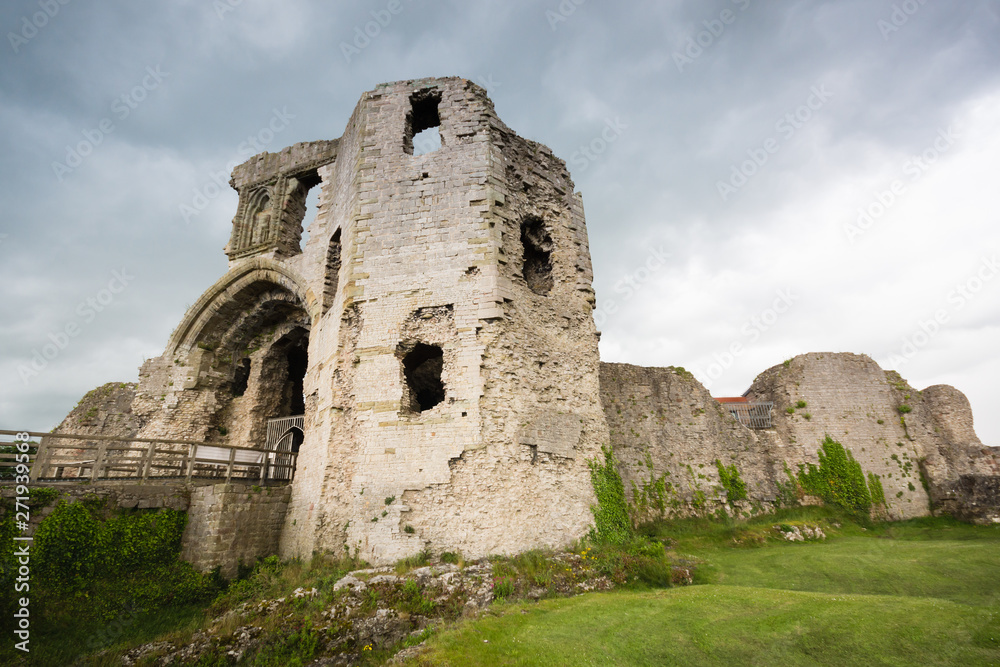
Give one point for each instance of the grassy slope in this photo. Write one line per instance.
(924, 592)
(735, 625)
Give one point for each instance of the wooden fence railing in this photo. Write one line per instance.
(101, 457)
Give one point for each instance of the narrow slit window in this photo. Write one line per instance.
(332, 271)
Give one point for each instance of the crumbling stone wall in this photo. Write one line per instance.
(436, 332)
(233, 523)
(850, 398)
(106, 410)
(922, 445)
(431, 255)
(666, 427)
(470, 262)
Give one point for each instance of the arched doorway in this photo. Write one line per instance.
(250, 336)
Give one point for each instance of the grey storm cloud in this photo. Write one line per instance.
(760, 179)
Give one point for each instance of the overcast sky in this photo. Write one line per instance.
(760, 179)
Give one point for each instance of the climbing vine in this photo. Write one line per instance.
(875, 486)
(651, 494)
(735, 488)
(838, 479)
(611, 519)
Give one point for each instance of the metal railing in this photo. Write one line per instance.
(281, 437)
(751, 415)
(101, 457)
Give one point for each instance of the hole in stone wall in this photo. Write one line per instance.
(241, 378)
(298, 361)
(427, 141)
(422, 123)
(537, 244)
(422, 368)
(332, 271)
(312, 208)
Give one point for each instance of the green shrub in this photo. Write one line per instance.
(502, 588)
(66, 546)
(41, 496)
(413, 600)
(293, 649)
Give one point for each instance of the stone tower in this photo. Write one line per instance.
(435, 330)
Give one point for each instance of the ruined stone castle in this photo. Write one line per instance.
(435, 333)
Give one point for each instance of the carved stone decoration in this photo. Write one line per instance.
(273, 189)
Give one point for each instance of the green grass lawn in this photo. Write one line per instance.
(918, 593)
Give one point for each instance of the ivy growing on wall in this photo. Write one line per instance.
(612, 523)
(875, 486)
(839, 479)
(652, 494)
(735, 488)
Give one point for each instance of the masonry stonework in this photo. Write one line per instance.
(230, 524)
(436, 331)
(922, 445)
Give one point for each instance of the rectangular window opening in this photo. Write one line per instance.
(422, 123)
